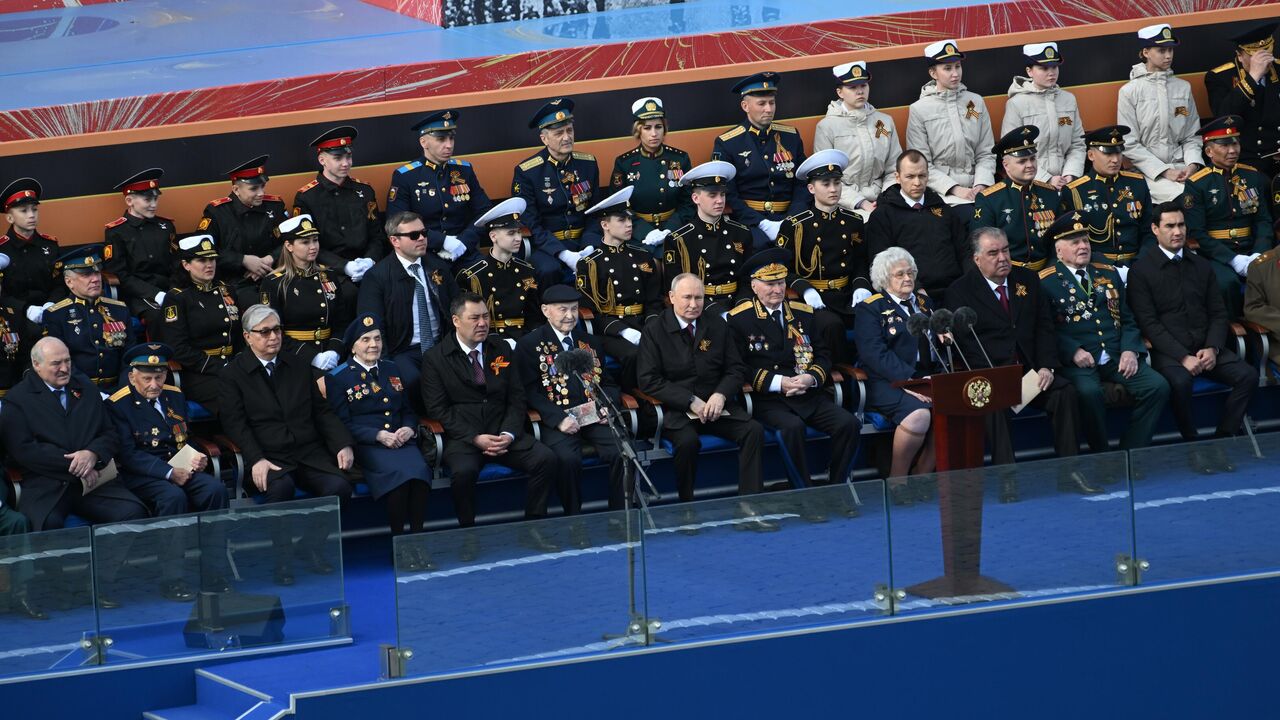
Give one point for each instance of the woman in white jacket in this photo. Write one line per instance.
(1163, 141)
(866, 135)
(950, 126)
(1037, 100)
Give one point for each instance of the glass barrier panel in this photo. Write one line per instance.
(1037, 529)
(48, 621)
(518, 592)
(767, 562)
(1207, 509)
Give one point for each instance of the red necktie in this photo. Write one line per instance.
(1003, 292)
(691, 330)
(477, 372)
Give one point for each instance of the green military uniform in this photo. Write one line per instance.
(1116, 209)
(1024, 213)
(658, 201)
(1262, 297)
(1226, 211)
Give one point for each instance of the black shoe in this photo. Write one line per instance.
(283, 575)
(317, 563)
(579, 537)
(106, 602)
(749, 519)
(1008, 490)
(1219, 459)
(217, 584)
(812, 511)
(533, 539)
(22, 605)
(176, 591)
(901, 495)
(617, 530)
(470, 549)
(1076, 482)
(408, 561)
(1200, 463)
(423, 559)
(922, 489)
(689, 522)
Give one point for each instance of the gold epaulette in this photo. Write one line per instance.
(1079, 181)
(783, 128)
(531, 163)
(520, 261)
(1103, 266)
(796, 305)
(1130, 173)
(1048, 271)
(61, 304)
(800, 216)
(112, 301)
(1224, 67)
(1043, 184)
(1246, 166)
(583, 156)
(120, 394)
(993, 189)
(742, 306)
(731, 134)
(1200, 173)
(172, 388)
(873, 298)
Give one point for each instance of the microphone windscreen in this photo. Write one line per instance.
(940, 322)
(575, 362)
(964, 318)
(917, 324)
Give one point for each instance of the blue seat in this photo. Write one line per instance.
(196, 412)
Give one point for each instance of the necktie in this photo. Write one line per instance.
(1176, 259)
(1084, 281)
(62, 397)
(477, 371)
(777, 317)
(691, 330)
(373, 372)
(906, 306)
(1003, 292)
(271, 368)
(568, 342)
(426, 313)
(917, 206)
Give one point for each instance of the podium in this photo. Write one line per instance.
(961, 402)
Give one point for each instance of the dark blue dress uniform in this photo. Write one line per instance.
(369, 401)
(139, 251)
(313, 306)
(17, 335)
(889, 352)
(347, 214)
(511, 292)
(1023, 212)
(714, 251)
(1116, 209)
(32, 276)
(97, 331)
(240, 230)
(1233, 91)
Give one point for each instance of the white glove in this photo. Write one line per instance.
(632, 336)
(771, 227)
(4, 261)
(511, 342)
(444, 255)
(454, 246)
(571, 258)
(159, 299)
(35, 313)
(356, 269)
(1240, 264)
(655, 237)
(1124, 273)
(325, 361)
(813, 299)
(105, 396)
(860, 294)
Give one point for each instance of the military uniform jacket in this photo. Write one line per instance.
(467, 409)
(148, 438)
(769, 350)
(766, 162)
(1163, 121)
(448, 196)
(96, 332)
(1232, 91)
(828, 255)
(656, 179)
(17, 335)
(1095, 320)
(509, 290)
(346, 216)
(202, 325)
(1117, 211)
(556, 195)
(1024, 213)
(314, 309)
(712, 251)
(622, 285)
(550, 392)
(1227, 212)
(675, 368)
(953, 131)
(140, 253)
(886, 350)
(871, 141)
(1262, 296)
(368, 405)
(31, 277)
(1060, 147)
(241, 230)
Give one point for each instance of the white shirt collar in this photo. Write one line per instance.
(911, 202)
(467, 350)
(1169, 254)
(409, 263)
(264, 362)
(561, 336)
(683, 324)
(995, 288)
(357, 361)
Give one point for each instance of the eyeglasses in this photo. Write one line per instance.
(905, 274)
(268, 332)
(412, 235)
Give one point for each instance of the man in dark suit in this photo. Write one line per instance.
(556, 395)
(1015, 326)
(410, 290)
(689, 362)
(1179, 310)
(471, 384)
(289, 437)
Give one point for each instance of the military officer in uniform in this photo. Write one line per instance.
(764, 155)
(711, 246)
(443, 189)
(243, 227)
(31, 277)
(345, 210)
(1020, 205)
(621, 283)
(96, 329)
(139, 247)
(1249, 86)
(314, 302)
(506, 282)
(826, 255)
(1226, 209)
(201, 321)
(17, 335)
(1115, 203)
(558, 184)
(658, 204)
(1262, 298)
(1098, 339)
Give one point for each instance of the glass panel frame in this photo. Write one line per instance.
(54, 569)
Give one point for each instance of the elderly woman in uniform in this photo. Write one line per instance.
(201, 321)
(659, 203)
(367, 395)
(1037, 100)
(866, 135)
(889, 352)
(950, 126)
(1164, 141)
(312, 299)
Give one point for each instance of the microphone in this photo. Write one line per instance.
(918, 325)
(576, 362)
(940, 324)
(965, 318)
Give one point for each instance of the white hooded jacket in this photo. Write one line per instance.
(1060, 148)
(1161, 114)
(953, 130)
(871, 141)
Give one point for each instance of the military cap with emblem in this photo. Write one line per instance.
(23, 191)
(852, 73)
(648, 108)
(253, 172)
(148, 356)
(943, 51)
(1259, 38)
(1158, 35)
(82, 259)
(503, 215)
(823, 164)
(716, 173)
(1018, 142)
(336, 141)
(1046, 54)
(560, 294)
(1067, 226)
(1223, 130)
(298, 226)
(196, 245)
(1109, 139)
(363, 324)
(440, 122)
(618, 203)
(768, 265)
(143, 183)
(552, 115)
(762, 83)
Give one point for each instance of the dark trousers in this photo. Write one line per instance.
(568, 452)
(548, 269)
(1235, 373)
(1231, 285)
(844, 429)
(283, 487)
(1062, 406)
(410, 364)
(203, 492)
(465, 462)
(747, 434)
(830, 326)
(106, 505)
(1149, 390)
(625, 353)
(202, 388)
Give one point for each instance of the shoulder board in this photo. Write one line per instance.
(409, 166)
(220, 201)
(684, 229)
(531, 163)
(1267, 256)
(4, 239)
(308, 186)
(358, 181)
(583, 156)
(592, 257)
(732, 133)
(783, 128)
(1246, 166)
(1224, 67)
(60, 304)
(172, 388)
(1130, 173)
(631, 152)
(1103, 266)
(1047, 272)
(272, 198)
(1079, 181)
(873, 298)
(993, 189)
(474, 268)
(801, 216)
(1045, 185)
(800, 306)
(459, 161)
(523, 262)
(677, 151)
(1201, 173)
(731, 221)
(116, 222)
(742, 306)
(635, 247)
(276, 273)
(120, 394)
(177, 291)
(112, 301)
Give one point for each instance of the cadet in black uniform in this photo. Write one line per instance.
(659, 204)
(243, 228)
(314, 302)
(504, 281)
(344, 209)
(1249, 86)
(201, 321)
(139, 247)
(443, 189)
(711, 246)
(96, 329)
(17, 335)
(31, 277)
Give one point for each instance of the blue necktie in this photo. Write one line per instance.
(426, 314)
(62, 397)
